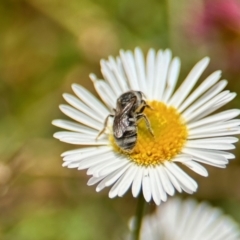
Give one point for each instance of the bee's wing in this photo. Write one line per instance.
(121, 121)
(119, 128)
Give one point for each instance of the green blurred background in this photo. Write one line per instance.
(45, 45)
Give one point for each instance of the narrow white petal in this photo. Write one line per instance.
(187, 183)
(114, 166)
(90, 100)
(80, 117)
(189, 82)
(80, 151)
(140, 67)
(146, 187)
(216, 158)
(205, 106)
(119, 76)
(72, 126)
(137, 182)
(110, 78)
(229, 97)
(210, 162)
(206, 84)
(162, 191)
(132, 67)
(67, 134)
(79, 154)
(127, 180)
(162, 64)
(94, 180)
(166, 183)
(100, 165)
(105, 92)
(73, 101)
(92, 160)
(172, 78)
(227, 132)
(173, 180)
(154, 182)
(112, 178)
(222, 116)
(150, 70)
(227, 155)
(212, 92)
(128, 67)
(116, 187)
(209, 145)
(196, 167)
(84, 141)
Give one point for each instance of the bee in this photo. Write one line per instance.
(129, 110)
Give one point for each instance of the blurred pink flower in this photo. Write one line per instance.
(220, 16)
(218, 26)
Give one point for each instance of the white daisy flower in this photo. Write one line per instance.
(184, 133)
(188, 220)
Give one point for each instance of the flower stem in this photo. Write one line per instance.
(138, 217)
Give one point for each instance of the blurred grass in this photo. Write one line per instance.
(47, 45)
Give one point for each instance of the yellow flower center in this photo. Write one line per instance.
(170, 134)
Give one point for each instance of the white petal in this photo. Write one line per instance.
(119, 76)
(222, 116)
(80, 117)
(129, 68)
(187, 183)
(84, 141)
(173, 180)
(212, 92)
(105, 92)
(110, 78)
(150, 70)
(114, 166)
(166, 183)
(80, 153)
(94, 180)
(163, 193)
(196, 167)
(172, 78)
(162, 64)
(112, 178)
(127, 180)
(227, 132)
(146, 187)
(72, 126)
(92, 160)
(155, 182)
(137, 182)
(209, 145)
(206, 84)
(205, 106)
(90, 100)
(189, 83)
(140, 67)
(82, 107)
(116, 187)
(216, 106)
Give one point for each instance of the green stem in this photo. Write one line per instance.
(138, 217)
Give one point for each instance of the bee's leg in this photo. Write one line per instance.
(146, 105)
(141, 108)
(141, 115)
(105, 125)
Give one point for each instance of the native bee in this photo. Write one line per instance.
(129, 110)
